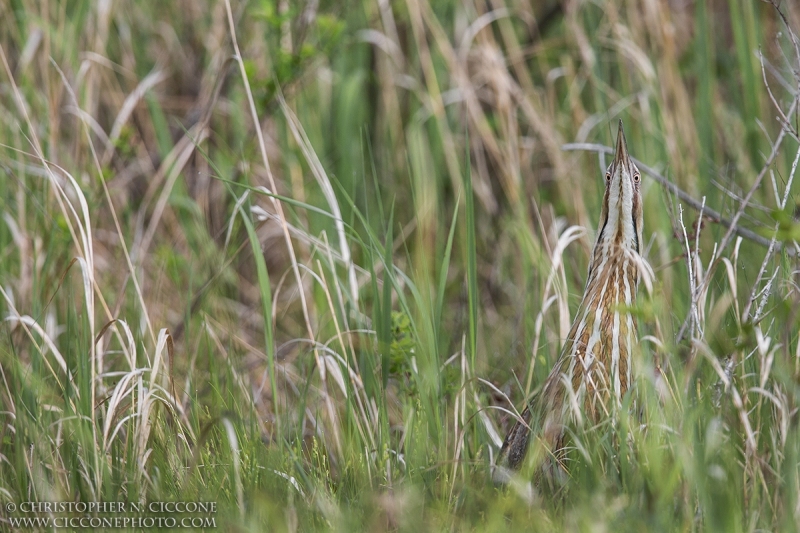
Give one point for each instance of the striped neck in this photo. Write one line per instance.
(599, 347)
(596, 356)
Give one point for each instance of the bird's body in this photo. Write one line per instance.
(593, 371)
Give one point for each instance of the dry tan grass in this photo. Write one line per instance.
(118, 122)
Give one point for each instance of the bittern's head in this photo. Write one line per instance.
(621, 213)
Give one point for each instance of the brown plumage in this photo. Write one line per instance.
(594, 366)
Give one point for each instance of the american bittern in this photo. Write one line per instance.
(595, 363)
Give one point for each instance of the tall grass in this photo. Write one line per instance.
(306, 259)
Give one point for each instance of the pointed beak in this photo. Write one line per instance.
(621, 155)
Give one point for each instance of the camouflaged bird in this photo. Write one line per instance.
(594, 368)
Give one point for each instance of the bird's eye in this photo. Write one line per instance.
(608, 177)
(637, 177)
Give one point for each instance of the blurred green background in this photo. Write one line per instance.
(307, 273)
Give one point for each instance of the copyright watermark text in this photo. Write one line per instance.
(109, 515)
